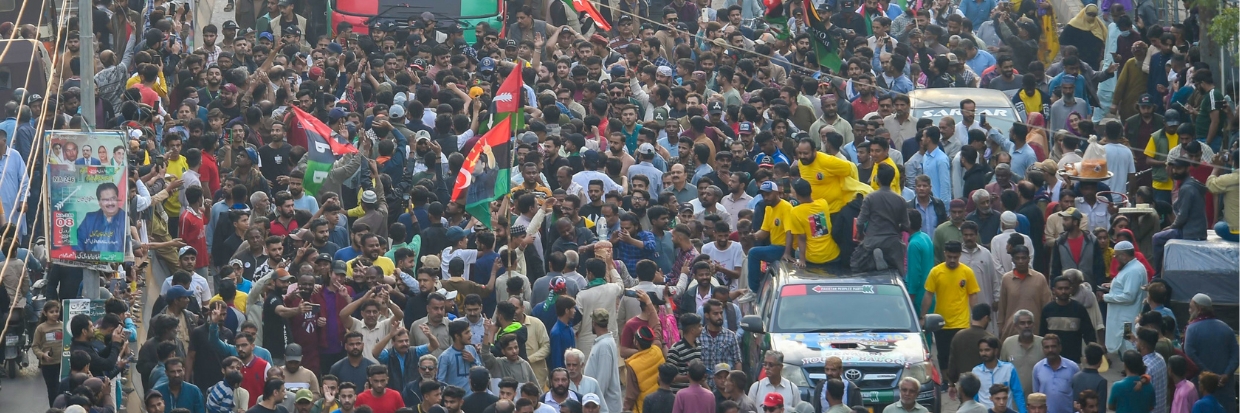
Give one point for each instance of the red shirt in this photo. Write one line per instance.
(862, 108)
(194, 234)
(149, 96)
(279, 229)
(387, 403)
(1075, 245)
(210, 173)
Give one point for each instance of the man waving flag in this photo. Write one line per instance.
(484, 175)
(322, 147)
(584, 6)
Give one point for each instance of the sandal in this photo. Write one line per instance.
(229, 7)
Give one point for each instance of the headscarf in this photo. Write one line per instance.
(1036, 119)
(1067, 125)
(1092, 25)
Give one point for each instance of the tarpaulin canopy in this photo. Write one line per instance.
(1210, 267)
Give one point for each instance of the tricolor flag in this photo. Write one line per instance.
(322, 145)
(508, 99)
(776, 18)
(584, 6)
(825, 46)
(484, 175)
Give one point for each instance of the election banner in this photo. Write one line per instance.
(87, 191)
(73, 307)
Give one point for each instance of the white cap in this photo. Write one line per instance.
(590, 398)
(1124, 246)
(1203, 300)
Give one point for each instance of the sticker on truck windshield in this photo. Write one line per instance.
(862, 289)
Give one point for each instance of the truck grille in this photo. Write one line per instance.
(867, 378)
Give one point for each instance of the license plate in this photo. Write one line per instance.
(10, 340)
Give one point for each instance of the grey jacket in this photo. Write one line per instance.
(1190, 210)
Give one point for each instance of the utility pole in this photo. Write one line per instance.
(86, 32)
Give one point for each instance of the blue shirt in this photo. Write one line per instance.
(15, 186)
(417, 352)
(1126, 399)
(1022, 158)
(454, 370)
(1056, 384)
(562, 338)
(1207, 404)
(929, 218)
(347, 253)
(630, 254)
(982, 60)
(977, 11)
(217, 209)
(98, 233)
(190, 397)
(935, 165)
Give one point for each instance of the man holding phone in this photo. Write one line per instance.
(313, 315)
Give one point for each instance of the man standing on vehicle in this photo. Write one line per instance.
(956, 290)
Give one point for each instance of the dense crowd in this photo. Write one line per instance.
(660, 168)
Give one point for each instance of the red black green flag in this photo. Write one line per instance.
(826, 46)
(322, 145)
(484, 175)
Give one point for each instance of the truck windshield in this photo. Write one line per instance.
(834, 308)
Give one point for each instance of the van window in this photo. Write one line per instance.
(8, 5)
(5, 77)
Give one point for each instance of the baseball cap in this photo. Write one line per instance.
(625, 18)
(151, 395)
(235, 261)
(322, 257)
(177, 291)
(487, 64)
(267, 35)
(187, 250)
(685, 206)
(305, 396)
(283, 275)
(510, 44)
(253, 154)
(300, 235)
(766, 162)
(1145, 100)
(338, 266)
(645, 148)
(768, 186)
(746, 128)
(455, 234)
(715, 107)
(773, 399)
(590, 398)
(292, 352)
(431, 261)
(291, 29)
(1070, 213)
(336, 113)
(1171, 117)
(231, 25)
(396, 111)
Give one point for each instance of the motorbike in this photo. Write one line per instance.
(16, 344)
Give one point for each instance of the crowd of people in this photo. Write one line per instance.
(670, 153)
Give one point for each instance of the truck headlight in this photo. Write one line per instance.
(924, 372)
(796, 375)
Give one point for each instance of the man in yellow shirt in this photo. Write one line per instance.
(879, 147)
(831, 178)
(371, 250)
(1156, 150)
(811, 227)
(775, 225)
(955, 289)
(176, 167)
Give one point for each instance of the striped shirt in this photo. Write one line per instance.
(680, 355)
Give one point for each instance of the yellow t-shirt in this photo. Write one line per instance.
(776, 221)
(177, 168)
(828, 176)
(814, 222)
(385, 263)
(238, 301)
(1151, 150)
(952, 289)
(895, 182)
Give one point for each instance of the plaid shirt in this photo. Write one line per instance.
(630, 254)
(682, 257)
(723, 348)
(1156, 367)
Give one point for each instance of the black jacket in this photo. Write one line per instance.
(101, 364)
(940, 210)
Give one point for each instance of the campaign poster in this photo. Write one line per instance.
(88, 193)
(73, 307)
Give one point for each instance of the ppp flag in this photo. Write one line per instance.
(826, 46)
(322, 147)
(484, 175)
(776, 18)
(584, 6)
(508, 99)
